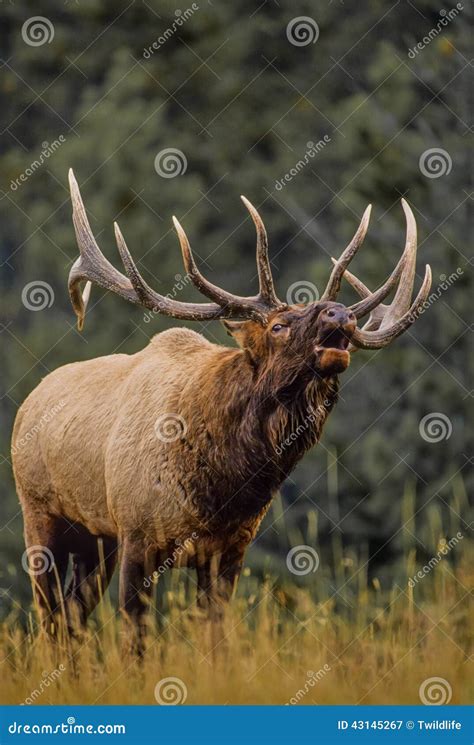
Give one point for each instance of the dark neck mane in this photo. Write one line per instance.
(257, 436)
(295, 427)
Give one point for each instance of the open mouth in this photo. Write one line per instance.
(335, 339)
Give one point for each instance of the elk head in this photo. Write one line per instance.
(286, 342)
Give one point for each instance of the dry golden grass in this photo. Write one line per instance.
(378, 651)
(364, 644)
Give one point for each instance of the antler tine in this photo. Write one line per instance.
(266, 288)
(211, 291)
(383, 336)
(401, 301)
(361, 289)
(91, 264)
(372, 299)
(153, 300)
(256, 307)
(334, 284)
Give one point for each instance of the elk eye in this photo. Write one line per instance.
(278, 327)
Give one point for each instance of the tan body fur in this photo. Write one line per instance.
(99, 460)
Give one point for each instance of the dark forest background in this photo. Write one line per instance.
(241, 102)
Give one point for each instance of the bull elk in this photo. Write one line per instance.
(177, 449)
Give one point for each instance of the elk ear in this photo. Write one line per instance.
(247, 334)
(249, 337)
(237, 330)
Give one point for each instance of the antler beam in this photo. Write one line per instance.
(92, 266)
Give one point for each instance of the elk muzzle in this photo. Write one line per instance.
(335, 328)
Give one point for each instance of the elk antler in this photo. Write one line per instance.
(334, 284)
(265, 300)
(387, 322)
(92, 266)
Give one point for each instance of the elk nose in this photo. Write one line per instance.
(342, 317)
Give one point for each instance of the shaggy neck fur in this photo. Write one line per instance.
(263, 422)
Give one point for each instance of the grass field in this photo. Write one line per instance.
(333, 636)
(278, 645)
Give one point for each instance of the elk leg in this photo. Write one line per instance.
(203, 570)
(92, 569)
(216, 580)
(134, 594)
(229, 572)
(46, 560)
